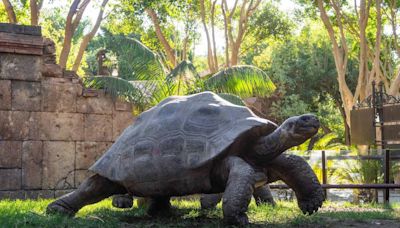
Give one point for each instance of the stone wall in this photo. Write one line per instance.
(51, 128)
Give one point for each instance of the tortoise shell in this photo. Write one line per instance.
(180, 134)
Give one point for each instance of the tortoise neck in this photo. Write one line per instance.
(272, 145)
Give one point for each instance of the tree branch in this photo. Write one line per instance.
(88, 37)
(12, 18)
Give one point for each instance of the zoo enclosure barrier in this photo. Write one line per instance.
(386, 158)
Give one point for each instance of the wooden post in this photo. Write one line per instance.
(324, 175)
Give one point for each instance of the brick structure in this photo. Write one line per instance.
(51, 128)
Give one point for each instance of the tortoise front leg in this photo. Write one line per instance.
(92, 190)
(298, 175)
(238, 177)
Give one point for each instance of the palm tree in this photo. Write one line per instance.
(143, 79)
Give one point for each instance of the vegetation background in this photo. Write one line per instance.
(321, 57)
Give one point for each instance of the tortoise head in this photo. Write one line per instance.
(297, 129)
(294, 131)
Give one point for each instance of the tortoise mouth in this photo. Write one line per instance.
(307, 124)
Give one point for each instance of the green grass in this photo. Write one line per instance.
(31, 213)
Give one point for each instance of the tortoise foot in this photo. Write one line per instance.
(122, 201)
(310, 204)
(60, 207)
(238, 220)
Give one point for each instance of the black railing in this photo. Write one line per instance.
(386, 186)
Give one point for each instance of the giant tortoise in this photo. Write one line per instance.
(200, 143)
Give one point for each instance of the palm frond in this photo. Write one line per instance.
(116, 87)
(244, 81)
(182, 79)
(232, 98)
(138, 62)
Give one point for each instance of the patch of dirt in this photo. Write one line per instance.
(349, 209)
(335, 223)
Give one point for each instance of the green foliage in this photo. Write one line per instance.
(361, 172)
(303, 69)
(138, 65)
(232, 98)
(244, 81)
(115, 86)
(182, 79)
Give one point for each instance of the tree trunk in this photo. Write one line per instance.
(226, 34)
(213, 36)
(210, 59)
(35, 11)
(234, 54)
(340, 57)
(168, 49)
(88, 37)
(12, 18)
(70, 26)
(363, 76)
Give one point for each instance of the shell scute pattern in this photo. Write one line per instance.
(180, 134)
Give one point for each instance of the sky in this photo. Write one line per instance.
(287, 6)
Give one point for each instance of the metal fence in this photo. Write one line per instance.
(386, 159)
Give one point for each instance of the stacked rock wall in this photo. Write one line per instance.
(51, 128)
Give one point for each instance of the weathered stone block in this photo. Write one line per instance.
(81, 176)
(10, 154)
(5, 94)
(98, 127)
(39, 194)
(51, 70)
(121, 120)
(99, 105)
(61, 126)
(59, 193)
(19, 125)
(32, 159)
(58, 165)
(26, 96)
(88, 152)
(121, 105)
(59, 97)
(12, 195)
(10, 179)
(20, 67)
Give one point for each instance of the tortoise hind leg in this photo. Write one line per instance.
(263, 194)
(298, 175)
(92, 190)
(209, 201)
(122, 201)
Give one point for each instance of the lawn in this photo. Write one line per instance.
(30, 213)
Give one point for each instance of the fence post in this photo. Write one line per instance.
(324, 176)
(386, 174)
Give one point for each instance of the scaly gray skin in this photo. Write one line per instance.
(261, 194)
(296, 173)
(234, 175)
